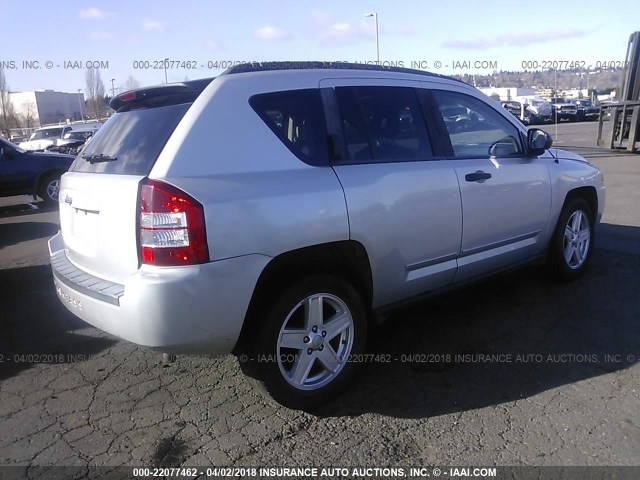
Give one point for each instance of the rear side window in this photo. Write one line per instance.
(383, 124)
(130, 142)
(297, 119)
(475, 129)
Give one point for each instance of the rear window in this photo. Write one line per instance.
(130, 142)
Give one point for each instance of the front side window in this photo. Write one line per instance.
(296, 117)
(475, 129)
(383, 124)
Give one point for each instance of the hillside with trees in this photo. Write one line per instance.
(604, 81)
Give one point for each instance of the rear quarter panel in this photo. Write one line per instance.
(258, 196)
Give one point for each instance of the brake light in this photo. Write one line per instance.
(172, 227)
(127, 96)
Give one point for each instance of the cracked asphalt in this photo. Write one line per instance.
(516, 370)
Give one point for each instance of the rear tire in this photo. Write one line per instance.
(302, 354)
(571, 246)
(50, 189)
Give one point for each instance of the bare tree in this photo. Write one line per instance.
(5, 104)
(95, 92)
(130, 84)
(29, 114)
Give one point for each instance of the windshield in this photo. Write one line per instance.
(46, 133)
(129, 142)
(77, 135)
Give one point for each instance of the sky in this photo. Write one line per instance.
(129, 39)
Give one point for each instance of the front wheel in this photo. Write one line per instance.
(303, 353)
(49, 189)
(572, 243)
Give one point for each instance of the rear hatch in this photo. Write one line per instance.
(99, 205)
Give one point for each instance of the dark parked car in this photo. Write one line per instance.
(30, 173)
(563, 110)
(586, 109)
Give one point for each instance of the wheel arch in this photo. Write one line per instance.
(587, 193)
(347, 259)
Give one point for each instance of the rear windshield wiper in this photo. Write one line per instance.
(100, 158)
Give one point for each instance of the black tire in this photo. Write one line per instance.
(561, 245)
(270, 364)
(49, 188)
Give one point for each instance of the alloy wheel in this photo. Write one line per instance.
(315, 341)
(577, 239)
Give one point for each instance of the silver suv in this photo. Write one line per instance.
(275, 209)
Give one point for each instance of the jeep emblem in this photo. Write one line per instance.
(68, 199)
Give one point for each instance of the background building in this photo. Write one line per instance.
(41, 107)
(507, 93)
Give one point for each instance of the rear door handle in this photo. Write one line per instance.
(477, 176)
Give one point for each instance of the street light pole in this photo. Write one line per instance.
(113, 90)
(375, 15)
(80, 103)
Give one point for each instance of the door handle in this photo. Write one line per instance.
(477, 176)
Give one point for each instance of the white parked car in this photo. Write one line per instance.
(52, 135)
(538, 106)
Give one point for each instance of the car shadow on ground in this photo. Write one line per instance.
(35, 327)
(502, 340)
(25, 207)
(14, 233)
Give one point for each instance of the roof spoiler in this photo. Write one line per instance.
(190, 90)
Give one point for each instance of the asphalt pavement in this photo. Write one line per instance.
(516, 370)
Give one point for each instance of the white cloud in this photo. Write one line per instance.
(270, 33)
(150, 25)
(332, 31)
(91, 13)
(516, 39)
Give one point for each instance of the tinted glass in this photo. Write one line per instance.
(9, 147)
(383, 124)
(297, 119)
(134, 138)
(475, 129)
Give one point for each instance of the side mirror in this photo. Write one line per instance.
(538, 141)
(505, 147)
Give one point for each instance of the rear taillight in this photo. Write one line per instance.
(172, 228)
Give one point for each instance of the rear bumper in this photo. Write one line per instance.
(193, 309)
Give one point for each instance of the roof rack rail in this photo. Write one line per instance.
(320, 65)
